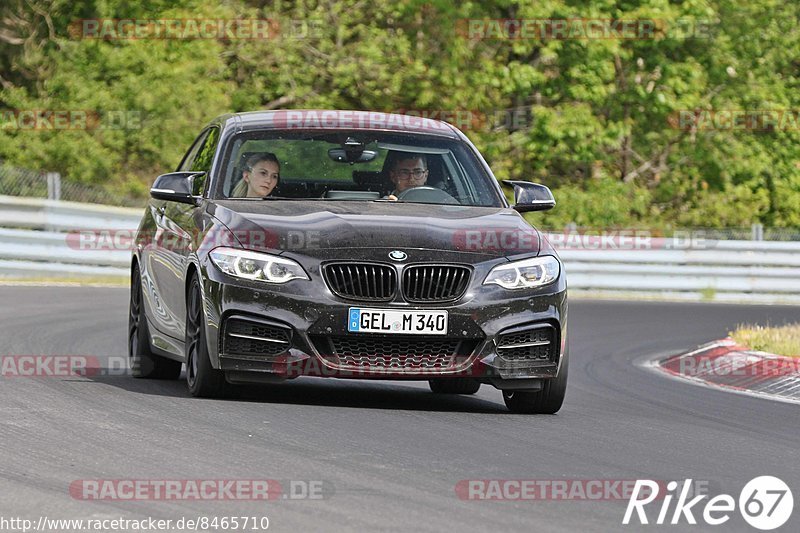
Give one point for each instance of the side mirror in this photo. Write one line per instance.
(175, 187)
(531, 196)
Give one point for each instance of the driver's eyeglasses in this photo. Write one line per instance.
(405, 173)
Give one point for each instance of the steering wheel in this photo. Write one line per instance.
(427, 195)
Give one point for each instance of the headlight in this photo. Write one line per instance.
(256, 266)
(536, 272)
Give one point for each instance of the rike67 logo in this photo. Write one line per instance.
(765, 503)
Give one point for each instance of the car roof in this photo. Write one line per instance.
(328, 119)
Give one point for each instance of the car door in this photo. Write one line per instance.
(173, 243)
(184, 223)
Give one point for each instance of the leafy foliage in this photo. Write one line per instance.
(598, 120)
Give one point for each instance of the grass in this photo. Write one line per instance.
(88, 281)
(708, 294)
(783, 340)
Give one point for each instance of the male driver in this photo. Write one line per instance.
(406, 170)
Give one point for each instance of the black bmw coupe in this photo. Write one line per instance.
(346, 244)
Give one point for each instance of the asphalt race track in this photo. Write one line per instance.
(389, 454)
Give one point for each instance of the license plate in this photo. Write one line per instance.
(393, 321)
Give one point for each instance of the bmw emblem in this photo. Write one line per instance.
(398, 255)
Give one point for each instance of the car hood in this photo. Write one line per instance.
(316, 228)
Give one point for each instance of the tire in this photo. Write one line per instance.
(204, 380)
(144, 363)
(454, 386)
(546, 401)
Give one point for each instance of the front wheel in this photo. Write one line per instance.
(144, 363)
(545, 401)
(203, 380)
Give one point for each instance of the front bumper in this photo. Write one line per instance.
(310, 324)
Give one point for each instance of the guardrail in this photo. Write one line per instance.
(35, 243)
(751, 271)
(54, 215)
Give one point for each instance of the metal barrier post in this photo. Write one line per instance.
(757, 232)
(53, 186)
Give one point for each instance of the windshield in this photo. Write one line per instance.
(354, 166)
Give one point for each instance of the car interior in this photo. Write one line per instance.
(364, 184)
